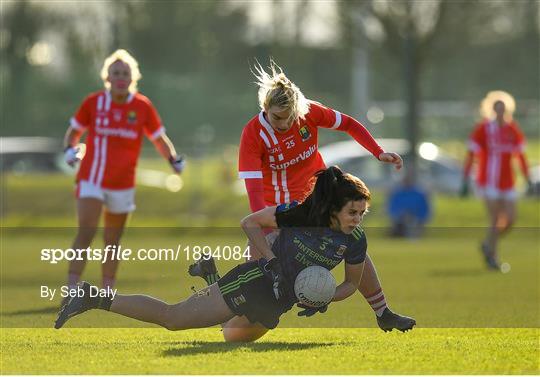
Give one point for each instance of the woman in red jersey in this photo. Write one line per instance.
(278, 157)
(116, 120)
(493, 142)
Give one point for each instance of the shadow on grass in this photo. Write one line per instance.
(33, 311)
(202, 348)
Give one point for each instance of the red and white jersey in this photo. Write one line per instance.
(114, 139)
(286, 162)
(494, 146)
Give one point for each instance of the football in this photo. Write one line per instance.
(315, 286)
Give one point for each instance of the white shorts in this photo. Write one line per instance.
(116, 201)
(493, 193)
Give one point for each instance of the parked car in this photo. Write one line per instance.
(30, 154)
(437, 171)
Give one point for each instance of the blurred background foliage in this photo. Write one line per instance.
(423, 62)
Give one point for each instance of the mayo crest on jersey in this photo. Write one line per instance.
(285, 161)
(114, 139)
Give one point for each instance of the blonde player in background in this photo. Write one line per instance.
(494, 141)
(115, 120)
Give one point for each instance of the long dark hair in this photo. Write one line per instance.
(333, 189)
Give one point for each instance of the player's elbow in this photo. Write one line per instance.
(248, 222)
(244, 223)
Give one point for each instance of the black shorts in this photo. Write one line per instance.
(247, 290)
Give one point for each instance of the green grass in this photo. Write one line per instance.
(283, 351)
(470, 321)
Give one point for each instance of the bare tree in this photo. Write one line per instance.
(410, 28)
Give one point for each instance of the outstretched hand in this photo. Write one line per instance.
(71, 156)
(309, 310)
(392, 158)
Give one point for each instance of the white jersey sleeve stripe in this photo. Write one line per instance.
(76, 125)
(103, 162)
(265, 139)
(95, 160)
(108, 99)
(268, 127)
(338, 120)
(276, 187)
(250, 174)
(158, 133)
(100, 103)
(284, 185)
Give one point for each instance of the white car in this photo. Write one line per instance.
(437, 172)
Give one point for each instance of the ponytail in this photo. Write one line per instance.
(323, 195)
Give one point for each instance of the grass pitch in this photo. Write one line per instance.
(470, 321)
(283, 351)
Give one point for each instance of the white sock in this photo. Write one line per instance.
(377, 301)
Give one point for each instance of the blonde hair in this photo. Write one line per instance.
(486, 106)
(125, 57)
(275, 89)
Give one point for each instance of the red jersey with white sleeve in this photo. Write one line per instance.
(286, 162)
(115, 133)
(494, 147)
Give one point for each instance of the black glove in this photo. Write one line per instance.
(309, 311)
(278, 280)
(464, 192)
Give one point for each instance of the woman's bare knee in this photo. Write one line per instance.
(506, 226)
(171, 321)
(239, 329)
(232, 334)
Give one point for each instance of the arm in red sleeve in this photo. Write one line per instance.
(524, 165)
(255, 190)
(360, 134)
